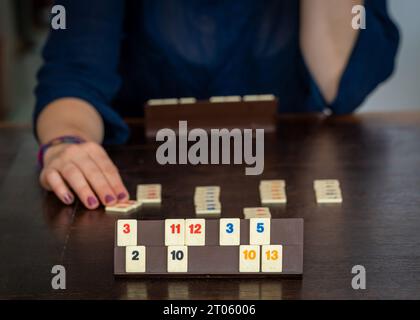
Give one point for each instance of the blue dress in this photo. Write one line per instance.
(117, 54)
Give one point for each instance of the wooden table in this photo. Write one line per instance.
(375, 156)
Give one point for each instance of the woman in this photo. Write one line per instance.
(115, 55)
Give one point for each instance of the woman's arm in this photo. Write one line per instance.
(327, 40)
(69, 116)
(76, 85)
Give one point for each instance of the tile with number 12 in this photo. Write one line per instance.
(195, 232)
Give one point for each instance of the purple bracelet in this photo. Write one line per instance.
(54, 142)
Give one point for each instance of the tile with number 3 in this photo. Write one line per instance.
(126, 232)
(229, 232)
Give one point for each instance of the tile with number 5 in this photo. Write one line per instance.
(259, 231)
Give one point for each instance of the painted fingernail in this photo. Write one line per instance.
(109, 198)
(121, 195)
(68, 198)
(92, 201)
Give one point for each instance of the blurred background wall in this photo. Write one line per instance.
(23, 28)
(24, 23)
(402, 90)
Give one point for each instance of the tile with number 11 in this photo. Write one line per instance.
(174, 232)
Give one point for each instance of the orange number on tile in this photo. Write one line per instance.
(250, 254)
(272, 254)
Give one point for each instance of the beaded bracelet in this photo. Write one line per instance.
(56, 141)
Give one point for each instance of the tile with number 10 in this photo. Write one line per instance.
(249, 258)
(177, 259)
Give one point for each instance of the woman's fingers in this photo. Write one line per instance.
(110, 171)
(88, 171)
(51, 180)
(96, 179)
(77, 181)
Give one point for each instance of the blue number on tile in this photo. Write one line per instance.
(229, 228)
(260, 227)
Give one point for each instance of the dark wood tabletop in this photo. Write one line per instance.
(376, 157)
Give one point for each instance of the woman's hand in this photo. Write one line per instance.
(84, 169)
